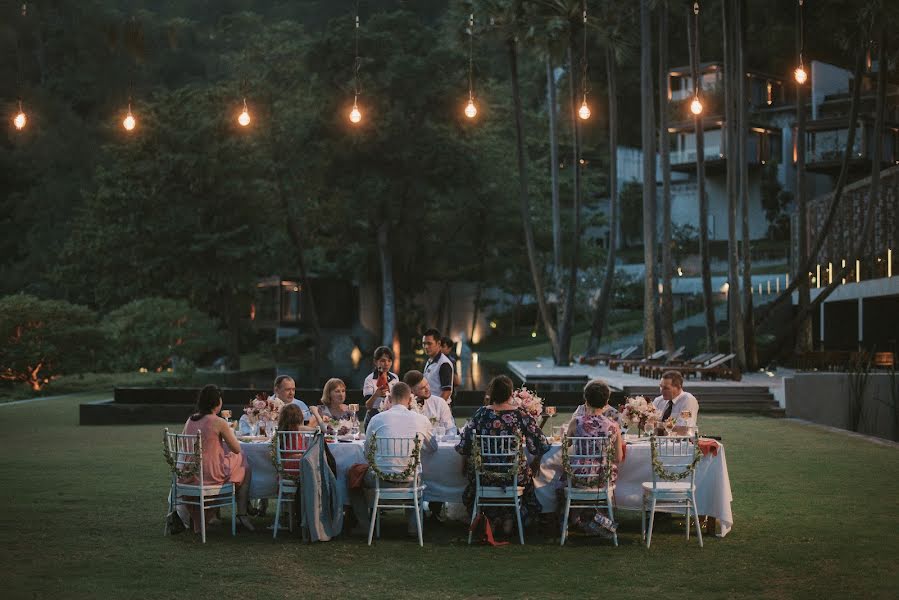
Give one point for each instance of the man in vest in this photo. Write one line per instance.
(439, 369)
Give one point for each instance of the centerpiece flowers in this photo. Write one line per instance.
(527, 401)
(332, 426)
(639, 413)
(264, 409)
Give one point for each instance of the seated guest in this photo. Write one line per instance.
(608, 411)
(500, 417)
(332, 403)
(433, 407)
(379, 382)
(594, 422)
(222, 459)
(245, 423)
(285, 390)
(399, 422)
(674, 400)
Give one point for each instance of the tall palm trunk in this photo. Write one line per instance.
(608, 282)
(743, 125)
(551, 108)
(524, 200)
(567, 322)
(667, 306)
(711, 333)
(735, 313)
(649, 179)
(388, 294)
(804, 341)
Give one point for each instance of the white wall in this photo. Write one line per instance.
(826, 80)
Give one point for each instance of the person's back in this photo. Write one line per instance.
(400, 422)
(214, 471)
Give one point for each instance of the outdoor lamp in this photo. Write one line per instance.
(696, 106)
(244, 118)
(129, 122)
(20, 119)
(584, 111)
(471, 110)
(355, 115)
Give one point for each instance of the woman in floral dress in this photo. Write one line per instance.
(500, 417)
(594, 422)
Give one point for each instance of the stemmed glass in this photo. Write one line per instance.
(354, 429)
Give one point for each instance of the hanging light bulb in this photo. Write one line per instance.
(800, 74)
(20, 119)
(471, 110)
(129, 122)
(584, 111)
(244, 117)
(355, 115)
(696, 106)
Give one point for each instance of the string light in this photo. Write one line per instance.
(584, 111)
(20, 119)
(696, 104)
(799, 73)
(471, 110)
(129, 122)
(355, 113)
(244, 117)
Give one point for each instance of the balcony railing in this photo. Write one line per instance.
(683, 157)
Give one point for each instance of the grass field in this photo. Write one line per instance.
(816, 516)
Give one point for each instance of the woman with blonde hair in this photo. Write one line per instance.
(332, 407)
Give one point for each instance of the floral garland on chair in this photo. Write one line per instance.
(401, 477)
(665, 474)
(492, 477)
(599, 480)
(191, 469)
(273, 451)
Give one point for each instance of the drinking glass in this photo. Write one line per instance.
(439, 432)
(550, 411)
(557, 433)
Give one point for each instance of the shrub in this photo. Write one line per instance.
(148, 333)
(43, 339)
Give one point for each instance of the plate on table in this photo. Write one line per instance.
(252, 438)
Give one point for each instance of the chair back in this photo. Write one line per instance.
(181, 451)
(395, 452)
(499, 457)
(676, 455)
(589, 461)
(292, 445)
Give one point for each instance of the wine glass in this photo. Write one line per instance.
(550, 411)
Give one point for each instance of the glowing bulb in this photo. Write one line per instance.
(696, 107)
(584, 111)
(244, 117)
(800, 74)
(471, 110)
(129, 122)
(355, 115)
(20, 120)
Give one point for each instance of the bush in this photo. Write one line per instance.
(148, 333)
(43, 339)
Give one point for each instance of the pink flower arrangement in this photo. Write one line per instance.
(262, 408)
(528, 401)
(637, 411)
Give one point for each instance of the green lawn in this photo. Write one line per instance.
(815, 517)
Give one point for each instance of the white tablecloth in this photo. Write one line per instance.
(442, 472)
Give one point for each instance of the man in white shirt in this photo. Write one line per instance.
(439, 369)
(399, 421)
(433, 407)
(674, 400)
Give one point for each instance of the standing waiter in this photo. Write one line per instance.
(439, 369)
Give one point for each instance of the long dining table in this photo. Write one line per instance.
(445, 480)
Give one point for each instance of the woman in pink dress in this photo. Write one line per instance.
(222, 459)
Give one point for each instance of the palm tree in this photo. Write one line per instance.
(667, 305)
(703, 201)
(734, 155)
(649, 178)
(743, 125)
